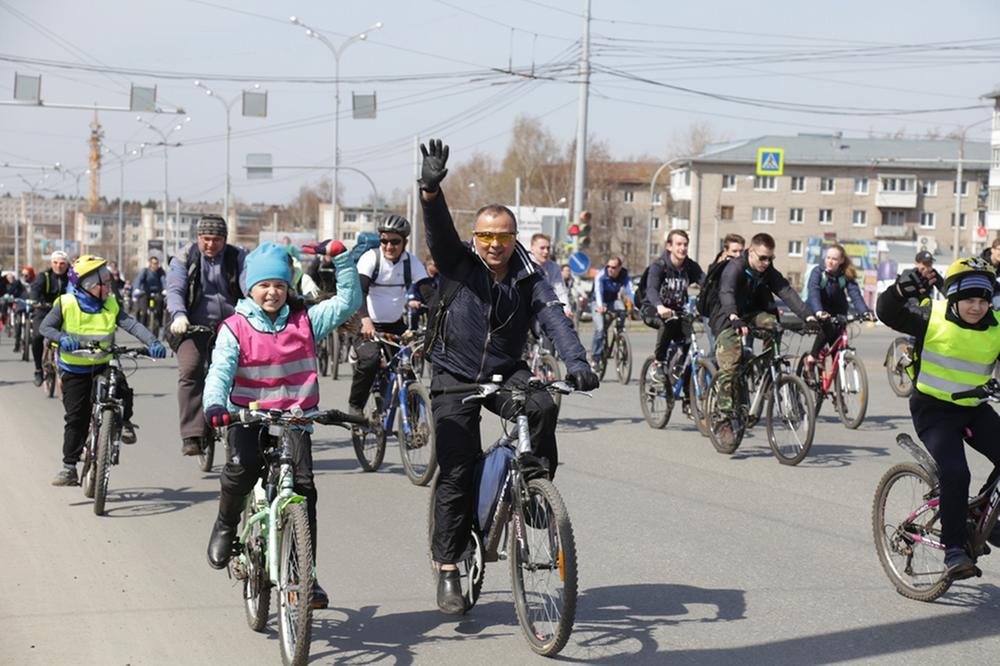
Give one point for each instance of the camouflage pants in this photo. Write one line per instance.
(728, 354)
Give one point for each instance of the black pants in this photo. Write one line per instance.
(459, 447)
(679, 331)
(192, 355)
(366, 366)
(829, 331)
(78, 395)
(37, 341)
(246, 465)
(941, 426)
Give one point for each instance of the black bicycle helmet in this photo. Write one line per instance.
(396, 224)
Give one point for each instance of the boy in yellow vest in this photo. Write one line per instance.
(88, 312)
(957, 342)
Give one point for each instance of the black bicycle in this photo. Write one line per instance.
(103, 447)
(906, 518)
(617, 346)
(521, 518)
(213, 437)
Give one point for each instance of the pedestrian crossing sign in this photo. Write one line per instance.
(770, 161)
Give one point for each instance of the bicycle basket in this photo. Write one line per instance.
(491, 470)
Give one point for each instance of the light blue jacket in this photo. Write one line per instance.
(324, 317)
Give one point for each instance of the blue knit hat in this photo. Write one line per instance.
(267, 262)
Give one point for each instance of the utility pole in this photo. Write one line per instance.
(580, 179)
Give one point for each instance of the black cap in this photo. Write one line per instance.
(212, 225)
(924, 257)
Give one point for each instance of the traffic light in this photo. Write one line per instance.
(582, 231)
(574, 230)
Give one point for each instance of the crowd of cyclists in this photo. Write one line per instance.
(244, 328)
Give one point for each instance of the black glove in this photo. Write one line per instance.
(911, 284)
(584, 380)
(433, 170)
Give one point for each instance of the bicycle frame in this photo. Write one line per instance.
(612, 333)
(394, 376)
(694, 353)
(767, 365)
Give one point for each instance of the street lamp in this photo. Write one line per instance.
(337, 51)
(31, 215)
(652, 203)
(958, 188)
(228, 107)
(76, 202)
(163, 142)
(122, 158)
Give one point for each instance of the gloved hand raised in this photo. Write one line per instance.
(433, 170)
(157, 350)
(69, 343)
(329, 247)
(217, 416)
(179, 325)
(912, 284)
(584, 380)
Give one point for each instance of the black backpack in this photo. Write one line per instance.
(644, 307)
(710, 286)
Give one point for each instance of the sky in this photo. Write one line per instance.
(463, 71)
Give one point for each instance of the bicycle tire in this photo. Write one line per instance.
(102, 462)
(737, 422)
(369, 442)
(472, 568)
(850, 420)
(256, 584)
(295, 585)
(701, 378)
(544, 637)
(26, 344)
(651, 392)
(50, 380)
(794, 391)
(899, 381)
(815, 384)
(322, 358)
(897, 543)
(623, 359)
(421, 438)
(335, 354)
(206, 457)
(88, 477)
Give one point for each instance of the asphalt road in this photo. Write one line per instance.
(686, 555)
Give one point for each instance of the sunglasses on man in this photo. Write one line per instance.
(489, 237)
(390, 241)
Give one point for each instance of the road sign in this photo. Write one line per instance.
(579, 263)
(770, 161)
(981, 231)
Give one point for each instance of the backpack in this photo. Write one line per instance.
(824, 280)
(407, 277)
(645, 308)
(710, 287)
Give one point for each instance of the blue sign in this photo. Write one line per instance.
(579, 263)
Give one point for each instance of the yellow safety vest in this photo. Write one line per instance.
(955, 358)
(99, 326)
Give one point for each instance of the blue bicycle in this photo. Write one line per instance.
(396, 388)
(659, 390)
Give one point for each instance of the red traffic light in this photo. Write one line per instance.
(574, 230)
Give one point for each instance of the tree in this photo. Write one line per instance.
(693, 140)
(532, 153)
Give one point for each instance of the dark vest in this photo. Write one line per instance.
(230, 268)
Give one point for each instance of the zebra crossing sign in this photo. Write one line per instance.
(770, 161)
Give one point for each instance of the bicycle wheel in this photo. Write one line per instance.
(295, 584)
(655, 397)
(548, 370)
(851, 391)
(206, 458)
(369, 441)
(812, 380)
(701, 378)
(791, 419)
(323, 358)
(472, 566)
(902, 524)
(26, 343)
(623, 359)
(50, 379)
(543, 569)
(88, 475)
(102, 461)
(899, 381)
(256, 584)
(417, 448)
(336, 351)
(716, 422)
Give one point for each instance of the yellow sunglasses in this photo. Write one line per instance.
(502, 237)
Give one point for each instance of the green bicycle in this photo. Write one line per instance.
(275, 545)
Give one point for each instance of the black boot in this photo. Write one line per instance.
(449, 594)
(220, 544)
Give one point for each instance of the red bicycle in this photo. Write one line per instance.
(839, 373)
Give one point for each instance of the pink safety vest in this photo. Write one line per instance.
(277, 370)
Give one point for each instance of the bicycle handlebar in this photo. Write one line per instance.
(988, 391)
(297, 417)
(486, 389)
(113, 349)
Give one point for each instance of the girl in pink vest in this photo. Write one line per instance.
(266, 353)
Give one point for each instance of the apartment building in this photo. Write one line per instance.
(36, 222)
(845, 189)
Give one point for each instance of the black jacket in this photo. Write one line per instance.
(477, 339)
(667, 285)
(48, 286)
(742, 291)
